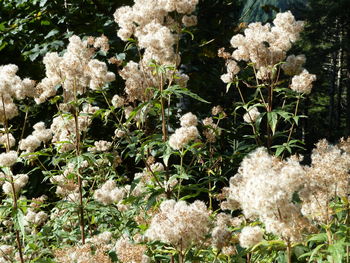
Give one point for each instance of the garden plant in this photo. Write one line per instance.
(134, 175)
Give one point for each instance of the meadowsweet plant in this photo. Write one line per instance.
(12, 88)
(130, 176)
(263, 51)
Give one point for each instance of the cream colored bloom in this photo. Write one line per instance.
(252, 115)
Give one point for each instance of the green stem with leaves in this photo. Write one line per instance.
(292, 127)
(182, 154)
(252, 124)
(164, 125)
(269, 109)
(77, 152)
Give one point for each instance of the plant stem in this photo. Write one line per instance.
(289, 252)
(23, 127)
(330, 239)
(164, 126)
(291, 128)
(269, 109)
(181, 164)
(347, 221)
(80, 186)
(252, 124)
(77, 152)
(248, 257)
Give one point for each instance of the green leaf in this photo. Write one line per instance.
(228, 86)
(284, 114)
(45, 23)
(321, 237)
(296, 119)
(279, 151)
(188, 32)
(272, 118)
(33, 56)
(3, 44)
(177, 90)
(312, 253)
(2, 26)
(20, 221)
(337, 251)
(121, 56)
(51, 33)
(42, 3)
(167, 155)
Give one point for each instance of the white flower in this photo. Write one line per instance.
(250, 236)
(188, 120)
(302, 83)
(118, 101)
(252, 115)
(179, 223)
(189, 21)
(8, 159)
(182, 137)
(109, 193)
(263, 188)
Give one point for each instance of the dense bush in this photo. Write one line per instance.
(145, 173)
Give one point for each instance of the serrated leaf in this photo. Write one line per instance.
(279, 151)
(20, 221)
(167, 155)
(321, 237)
(272, 119)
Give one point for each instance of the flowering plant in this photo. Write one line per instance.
(155, 188)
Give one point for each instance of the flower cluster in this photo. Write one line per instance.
(264, 46)
(179, 224)
(150, 22)
(212, 129)
(75, 70)
(302, 83)
(327, 177)
(293, 65)
(221, 235)
(12, 87)
(19, 181)
(250, 236)
(109, 193)
(130, 252)
(66, 185)
(263, 188)
(100, 146)
(251, 115)
(35, 218)
(83, 254)
(39, 135)
(7, 140)
(8, 159)
(146, 177)
(63, 128)
(102, 238)
(188, 132)
(6, 252)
